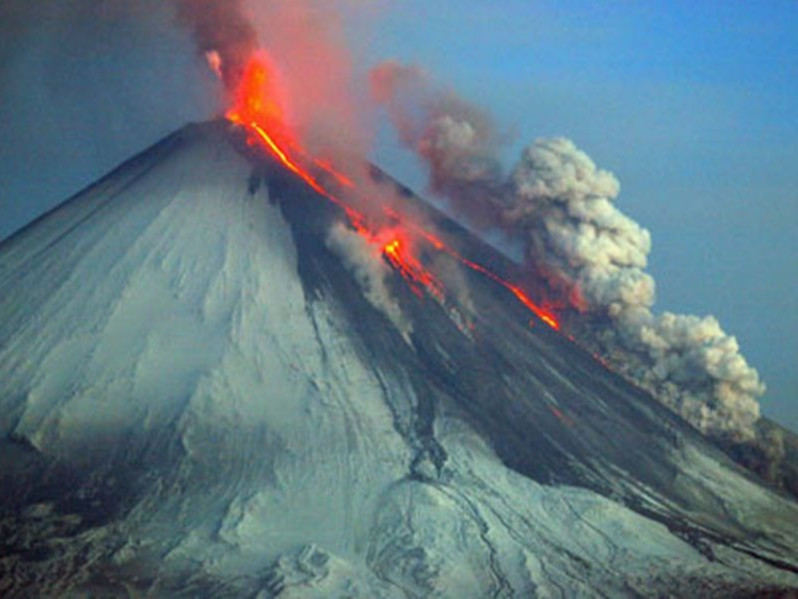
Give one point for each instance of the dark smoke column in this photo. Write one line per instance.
(456, 139)
(220, 27)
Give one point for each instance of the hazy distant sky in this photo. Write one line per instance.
(693, 105)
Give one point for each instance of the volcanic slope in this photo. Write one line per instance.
(199, 399)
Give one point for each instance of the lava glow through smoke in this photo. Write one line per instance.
(555, 201)
(261, 108)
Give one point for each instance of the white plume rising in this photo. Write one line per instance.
(364, 260)
(564, 206)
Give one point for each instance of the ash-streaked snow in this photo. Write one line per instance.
(198, 400)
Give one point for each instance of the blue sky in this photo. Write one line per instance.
(693, 105)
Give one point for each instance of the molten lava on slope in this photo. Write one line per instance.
(260, 106)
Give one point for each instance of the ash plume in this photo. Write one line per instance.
(563, 206)
(365, 262)
(588, 252)
(556, 201)
(457, 139)
(222, 33)
(695, 368)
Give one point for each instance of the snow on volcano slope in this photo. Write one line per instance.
(198, 400)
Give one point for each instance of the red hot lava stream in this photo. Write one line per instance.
(258, 107)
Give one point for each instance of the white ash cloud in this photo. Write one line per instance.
(563, 205)
(562, 208)
(691, 365)
(364, 260)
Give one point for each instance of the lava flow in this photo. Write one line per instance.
(259, 106)
(411, 269)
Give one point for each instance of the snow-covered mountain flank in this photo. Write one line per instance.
(199, 398)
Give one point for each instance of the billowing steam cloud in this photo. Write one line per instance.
(696, 369)
(364, 260)
(560, 205)
(563, 205)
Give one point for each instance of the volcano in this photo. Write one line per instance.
(200, 399)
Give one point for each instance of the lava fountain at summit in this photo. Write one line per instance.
(260, 105)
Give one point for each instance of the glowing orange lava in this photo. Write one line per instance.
(261, 99)
(328, 168)
(260, 107)
(263, 117)
(544, 314)
(412, 270)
